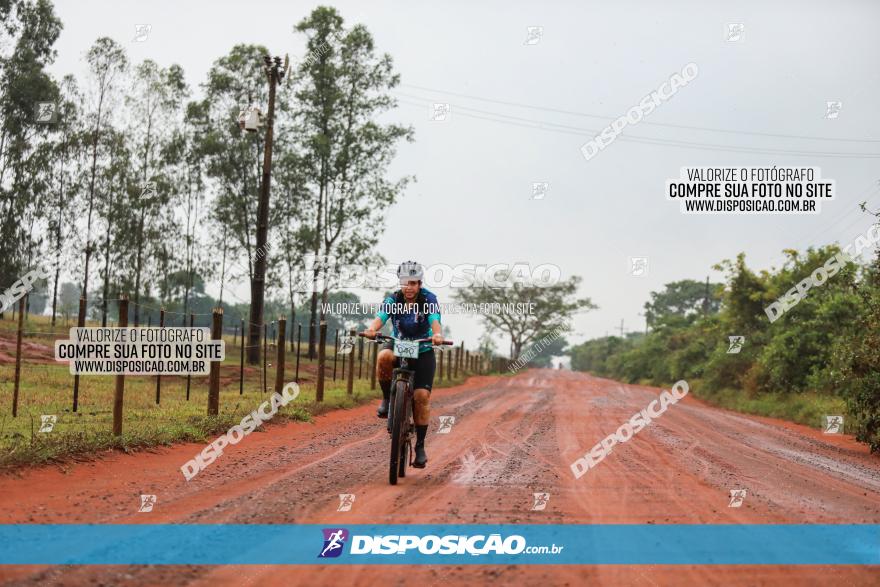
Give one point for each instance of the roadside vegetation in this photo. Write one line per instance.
(822, 357)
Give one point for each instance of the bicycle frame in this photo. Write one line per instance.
(400, 412)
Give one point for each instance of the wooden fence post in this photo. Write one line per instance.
(241, 364)
(80, 322)
(375, 350)
(319, 385)
(120, 379)
(360, 355)
(192, 320)
(335, 354)
(18, 336)
(265, 352)
(299, 340)
(279, 365)
(214, 374)
(159, 377)
(440, 364)
(350, 383)
(449, 361)
(344, 359)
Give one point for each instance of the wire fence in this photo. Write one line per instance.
(342, 357)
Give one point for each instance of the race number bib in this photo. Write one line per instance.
(407, 349)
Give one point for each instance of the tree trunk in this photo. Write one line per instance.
(58, 232)
(107, 245)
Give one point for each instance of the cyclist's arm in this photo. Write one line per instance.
(436, 327)
(381, 317)
(376, 325)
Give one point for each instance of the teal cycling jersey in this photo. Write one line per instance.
(411, 321)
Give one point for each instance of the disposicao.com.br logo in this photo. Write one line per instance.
(454, 544)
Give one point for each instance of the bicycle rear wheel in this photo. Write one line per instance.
(398, 429)
(407, 439)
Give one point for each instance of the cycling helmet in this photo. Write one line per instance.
(410, 270)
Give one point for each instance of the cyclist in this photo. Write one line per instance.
(414, 314)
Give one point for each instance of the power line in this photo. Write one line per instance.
(606, 117)
(581, 132)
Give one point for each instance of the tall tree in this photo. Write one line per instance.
(107, 62)
(341, 88)
(156, 105)
(28, 33)
(554, 307)
(66, 167)
(686, 298)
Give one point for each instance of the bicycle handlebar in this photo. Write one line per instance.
(380, 337)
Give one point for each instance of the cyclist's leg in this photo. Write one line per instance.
(424, 381)
(385, 363)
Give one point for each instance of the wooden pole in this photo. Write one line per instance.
(335, 354)
(159, 377)
(350, 383)
(265, 352)
(449, 361)
(18, 337)
(375, 350)
(241, 364)
(214, 375)
(319, 385)
(440, 365)
(342, 375)
(299, 336)
(360, 355)
(279, 365)
(192, 320)
(80, 322)
(120, 379)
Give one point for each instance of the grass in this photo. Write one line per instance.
(47, 389)
(809, 409)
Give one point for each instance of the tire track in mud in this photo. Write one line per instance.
(512, 437)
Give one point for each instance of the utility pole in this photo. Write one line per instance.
(275, 72)
(621, 328)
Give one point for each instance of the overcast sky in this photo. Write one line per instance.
(595, 60)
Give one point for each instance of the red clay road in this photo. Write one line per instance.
(512, 437)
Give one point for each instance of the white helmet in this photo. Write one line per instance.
(410, 270)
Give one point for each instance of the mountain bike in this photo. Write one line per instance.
(400, 404)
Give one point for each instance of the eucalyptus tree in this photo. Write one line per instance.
(107, 63)
(156, 112)
(27, 35)
(67, 186)
(288, 215)
(341, 88)
(116, 180)
(184, 156)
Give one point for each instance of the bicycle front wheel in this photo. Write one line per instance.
(398, 429)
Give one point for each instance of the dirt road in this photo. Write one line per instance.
(512, 437)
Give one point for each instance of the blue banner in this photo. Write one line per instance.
(522, 544)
